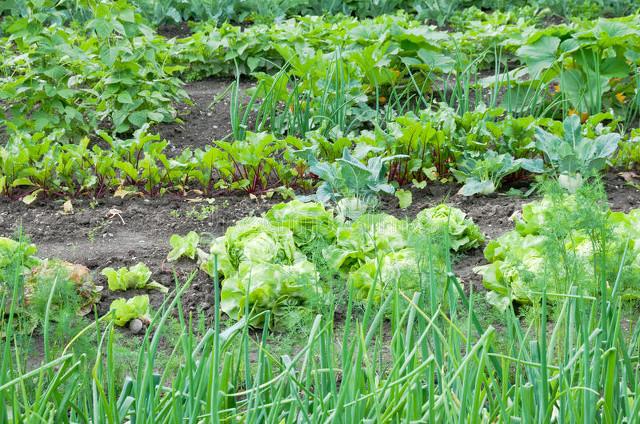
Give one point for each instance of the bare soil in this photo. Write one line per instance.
(181, 30)
(206, 120)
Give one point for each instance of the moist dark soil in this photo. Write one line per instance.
(181, 30)
(118, 232)
(207, 119)
(115, 232)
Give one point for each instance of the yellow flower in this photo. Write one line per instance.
(583, 115)
(620, 97)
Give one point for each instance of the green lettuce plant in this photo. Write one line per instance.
(267, 286)
(183, 246)
(261, 265)
(463, 233)
(252, 239)
(135, 277)
(369, 236)
(310, 223)
(125, 310)
(16, 252)
(395, 269)
(557, 238)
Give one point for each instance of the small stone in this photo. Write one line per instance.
(135, 326)
(83, 218)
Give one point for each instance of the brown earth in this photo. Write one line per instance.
(206, 120)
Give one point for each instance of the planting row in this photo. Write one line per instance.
(298, 256)
(331, 73)
(424, 353)
(479, 149)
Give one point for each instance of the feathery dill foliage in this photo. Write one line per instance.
(588, 215)
(411, 357)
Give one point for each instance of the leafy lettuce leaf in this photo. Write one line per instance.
(183, 246)
(534, 258)
(16, 253)
(382, 275)
(369, 236)
(309, 222)
(463, 233)
(252, 239)
(125, 310)
(261, 286)
(136, 277)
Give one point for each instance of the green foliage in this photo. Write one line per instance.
(261, 263)
(575, 156)
(135, 277)
(252, 164)
(369, 236)
(349, 177)
(462, 233)
(18, 252)
(260, 286)
(183, 246)
(76, 293)
(395, 270)
(111, 71)
(560, 242)
(592, 62)
(311, 224)
(264, 270)
(124, 310)
(483, 175)
(252, 239)
(405, 198)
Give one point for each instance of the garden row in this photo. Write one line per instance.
(295, 258)
(420, 352)
(479, 149)
(338, 69)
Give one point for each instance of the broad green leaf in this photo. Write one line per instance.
(540, 55)
(405, 198)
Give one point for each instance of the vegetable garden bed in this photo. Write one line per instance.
(393, 211)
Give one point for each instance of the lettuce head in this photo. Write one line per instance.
(126, 310)
(260, 286)
(463, 233)
(395, 269)
(369, 236)
(310, 223)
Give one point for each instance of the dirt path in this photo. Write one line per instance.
(206, 120)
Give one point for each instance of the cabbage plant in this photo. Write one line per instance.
(575, 157)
